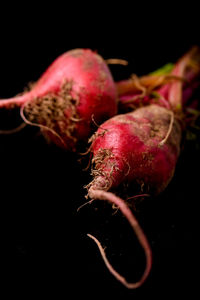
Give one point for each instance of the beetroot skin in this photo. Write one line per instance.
(76, 90)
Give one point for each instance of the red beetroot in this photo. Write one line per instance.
(136, 147)
(76, 88)
(141, 147)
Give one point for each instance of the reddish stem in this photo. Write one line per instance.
(175, 89)
(130, 86)
(103, 195)
(185, 74)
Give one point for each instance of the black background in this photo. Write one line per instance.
(45, 248)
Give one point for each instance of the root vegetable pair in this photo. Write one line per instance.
(139, 148)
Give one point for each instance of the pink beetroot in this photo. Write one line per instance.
(75, 90)
(136, 146)
(141, 147)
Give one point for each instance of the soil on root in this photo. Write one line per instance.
(56, 112)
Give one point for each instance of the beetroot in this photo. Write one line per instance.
(141, 148)
(138, 148)
(75, 90)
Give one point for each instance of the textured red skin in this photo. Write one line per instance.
(136, 153)
(92, 85)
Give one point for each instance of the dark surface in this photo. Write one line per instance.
(43, 238)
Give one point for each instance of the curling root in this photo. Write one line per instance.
(169, 130)
(116, 61)
(84, 204)
(14, 130)
(26, 121)
(103, 195)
